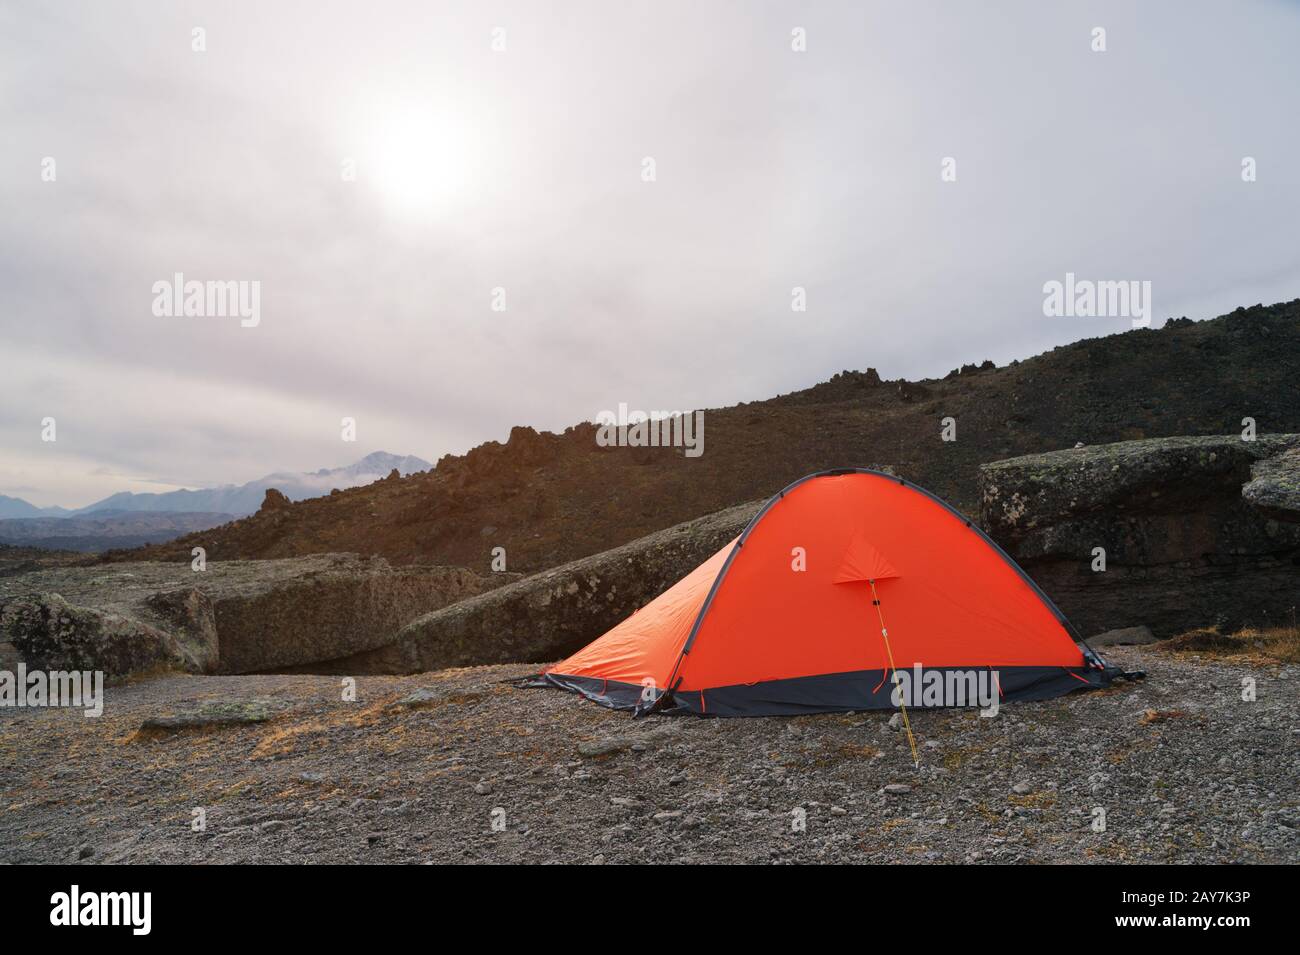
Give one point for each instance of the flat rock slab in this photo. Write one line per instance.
(210, 716)
(240, 616)
(1020, 494)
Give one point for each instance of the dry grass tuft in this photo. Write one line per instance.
(1036, 800)
(1161, 716)
(1275, 644)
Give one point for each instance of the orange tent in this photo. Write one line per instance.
(844, 584)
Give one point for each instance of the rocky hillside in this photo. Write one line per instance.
(550, 498)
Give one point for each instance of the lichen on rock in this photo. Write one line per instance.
(1195, 531)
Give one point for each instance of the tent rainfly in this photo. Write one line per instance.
(849, 590)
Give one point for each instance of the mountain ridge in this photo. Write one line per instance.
(231, 500)
(17, 508)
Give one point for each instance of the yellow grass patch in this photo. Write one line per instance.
(283, 740)
(1270, 645)
(1036, 800)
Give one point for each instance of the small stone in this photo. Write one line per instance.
(1021, 788)
(668, 815)
(483, 787)
(86, 852)
(898, 789)
(424, 696)
(839, 811)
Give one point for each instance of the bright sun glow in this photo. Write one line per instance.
(420, 161)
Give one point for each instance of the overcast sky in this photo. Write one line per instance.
(522, 169)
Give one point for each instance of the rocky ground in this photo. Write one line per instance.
(24, 560)
(419, 767)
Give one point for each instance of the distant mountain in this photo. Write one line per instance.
(370, 468)
(240, 500)
(11, 507)
(134, 520)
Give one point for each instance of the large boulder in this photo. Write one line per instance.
(232, 617)
(551, 614)
(47, 633)
(1196, 531)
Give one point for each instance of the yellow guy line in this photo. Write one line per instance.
(911, 741)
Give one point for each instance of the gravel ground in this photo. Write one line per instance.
(1184, 770)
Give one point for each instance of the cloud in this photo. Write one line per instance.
(775, 169)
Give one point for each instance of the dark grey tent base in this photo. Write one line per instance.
(825, 693)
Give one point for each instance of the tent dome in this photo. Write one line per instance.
(842, 580)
